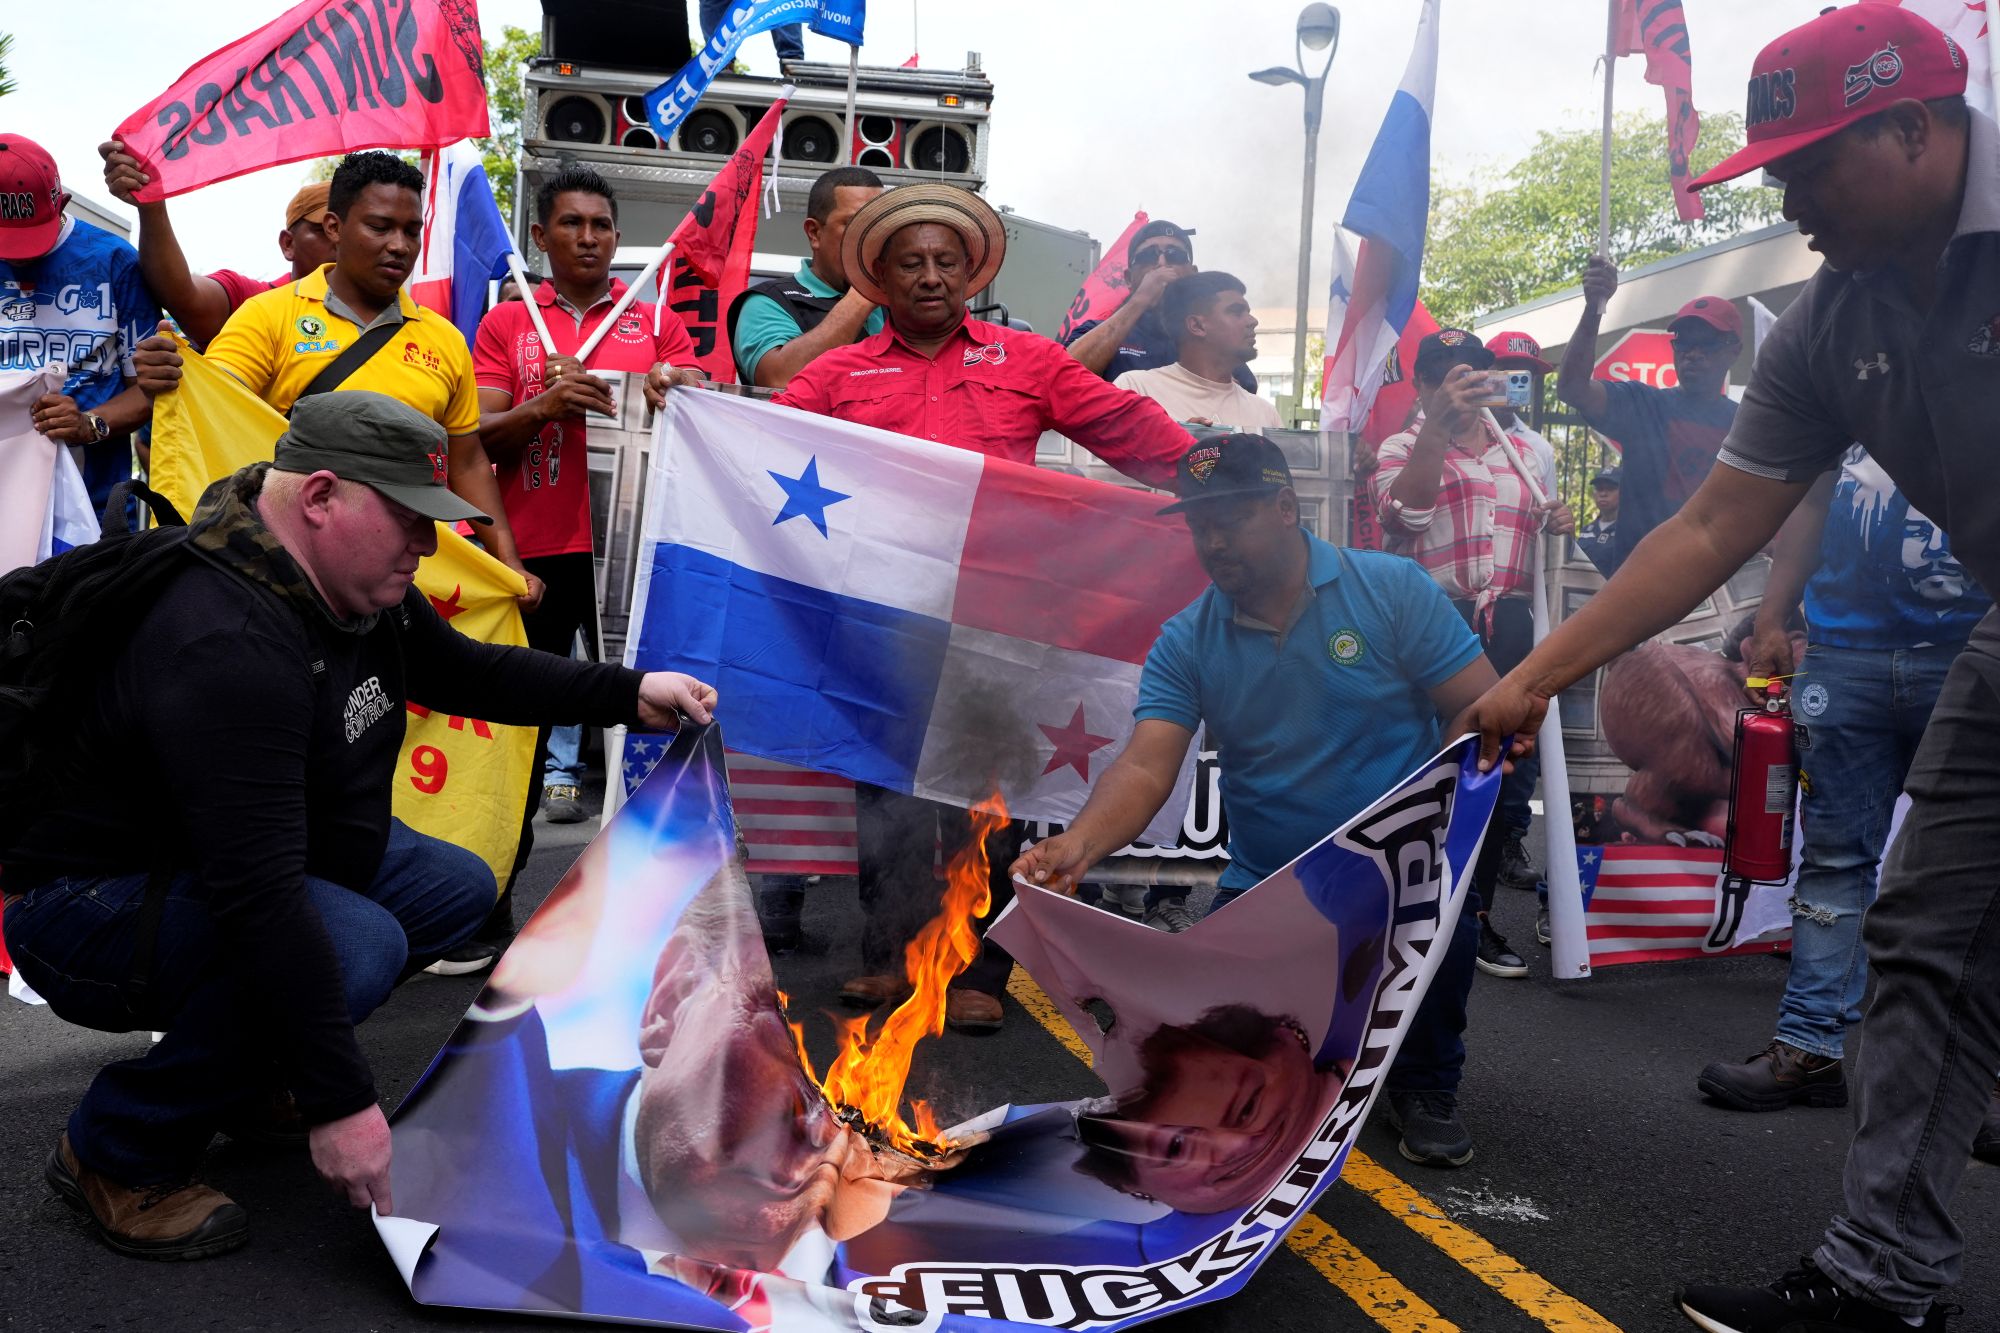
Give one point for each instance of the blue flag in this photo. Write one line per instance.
(669, 104)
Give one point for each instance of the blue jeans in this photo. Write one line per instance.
(564, 766)
(789, 39)
(1873, 706)
(148, 1119)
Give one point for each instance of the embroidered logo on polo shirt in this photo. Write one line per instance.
(1346, 647)
(1985, 340)
(629, 328)
(992, 354)
(415, 353)
(312, 326)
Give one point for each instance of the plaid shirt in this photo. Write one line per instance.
(1477, 541)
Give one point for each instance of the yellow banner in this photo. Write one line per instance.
(458, 779)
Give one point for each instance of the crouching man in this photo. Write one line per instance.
(218, 861)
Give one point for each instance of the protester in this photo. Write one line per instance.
(200, 303)
(1450, 496)
(1319, 675)
(1209, 316)
(1134, 337)
(776, 327)
(1890, 343)
(510, 290)
(218, 861)
(1595, 538)
(50, 261)
(788, 38)
(933, 372)
(533, 423)
(281, 343)
(1887, 610)
(1670, 436)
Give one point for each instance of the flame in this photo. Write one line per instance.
(866, 1078)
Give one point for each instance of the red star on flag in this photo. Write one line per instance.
(447, 607)
(1074, 745)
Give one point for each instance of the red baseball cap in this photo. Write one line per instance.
(1718, 312)
(31, 198)
(1845, 65)
(1518, 350)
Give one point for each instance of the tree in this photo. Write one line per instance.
(1511, 236)
(6, 46)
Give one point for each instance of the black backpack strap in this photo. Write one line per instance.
(163, 509)
(352, 359)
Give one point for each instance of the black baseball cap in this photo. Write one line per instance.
(378, 441)
(1226, 468)
(1608, 477)
(1438, 352)
(1159, 227)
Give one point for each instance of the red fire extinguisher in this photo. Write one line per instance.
(1764, 791)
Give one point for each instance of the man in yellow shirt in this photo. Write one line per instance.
(279, 342)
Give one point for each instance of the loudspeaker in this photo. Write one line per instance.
(809, 138)
(576, 117)
(938, 149)
(632, 129)
(878, 141)
(648, 35)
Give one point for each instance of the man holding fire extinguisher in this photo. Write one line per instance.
(1861, 114)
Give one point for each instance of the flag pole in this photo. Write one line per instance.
(520, 276)
(1604, 169)
(624, 302)
(1569, 939)
(853, 75)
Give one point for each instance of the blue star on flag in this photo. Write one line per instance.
(805, 497)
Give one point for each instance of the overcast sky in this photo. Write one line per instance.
(1101, 107)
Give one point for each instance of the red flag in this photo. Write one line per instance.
(1658, 30)
(711, 261)
(1396, 400)
(911, 63)
(329, 77)
(1104, 289)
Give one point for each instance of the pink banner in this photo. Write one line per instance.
(1104, 290)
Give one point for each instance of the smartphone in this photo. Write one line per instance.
(1496, 389)
(1520, 388)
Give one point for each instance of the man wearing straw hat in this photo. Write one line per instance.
(935, 373)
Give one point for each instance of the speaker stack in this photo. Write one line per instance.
(715, 128)
(633, 130)
(809, 137)
(578, 117)
(878, 141)
(937, 148)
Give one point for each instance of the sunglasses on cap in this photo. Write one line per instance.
(1161, 254)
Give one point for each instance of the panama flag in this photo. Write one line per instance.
(905, 613)
(1388, 211)
(465, 244)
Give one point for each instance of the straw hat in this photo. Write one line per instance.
(892, 210)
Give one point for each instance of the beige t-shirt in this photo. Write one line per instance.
(1187, 395)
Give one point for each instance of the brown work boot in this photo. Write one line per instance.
(869, 992)
(1778, 1076)
(167, 1221)
(972, 1010)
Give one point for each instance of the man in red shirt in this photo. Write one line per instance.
(937, 374)
(202, 303)
(532, 414)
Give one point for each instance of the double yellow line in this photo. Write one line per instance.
(1377, 1291)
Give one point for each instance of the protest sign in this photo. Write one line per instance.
(459, 779)
(636, 1020)
(1105, 289)
(324, 78)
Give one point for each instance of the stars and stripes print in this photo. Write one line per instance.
(1653, 903)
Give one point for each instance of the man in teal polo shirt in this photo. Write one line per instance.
(776, 328)
(1320, 675)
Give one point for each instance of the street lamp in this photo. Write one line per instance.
(1318, 30)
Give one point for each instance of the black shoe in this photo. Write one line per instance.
(1986, 1143)
(468, 959)
(563, 804)
(1170, 915)
(1495, 958)
(1433, 1135)
(1542, 924)
(1804, 1300)
(1516, 870)
(1778, 1076)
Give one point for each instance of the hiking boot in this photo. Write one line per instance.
(468, 959)
(972, 1011)
(1516, 870)
(1433, 1135)
(168, 1221)
(563, 804)
(1803, 1300)
(1776, 1077)
(871, 992)
(1986, 1143)
(1495, 958)
(1170, 915)
(1542, 924)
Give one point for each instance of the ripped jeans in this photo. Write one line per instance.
(1864, 711)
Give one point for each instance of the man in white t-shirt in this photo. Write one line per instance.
(1209, 316)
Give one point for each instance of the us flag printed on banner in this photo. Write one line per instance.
(793, 821)
(1653, 904)
(1657, 29)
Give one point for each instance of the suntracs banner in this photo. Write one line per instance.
(324, 78)
(623, 1126)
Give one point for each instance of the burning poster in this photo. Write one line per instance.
(626, 1126)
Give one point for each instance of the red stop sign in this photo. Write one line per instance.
(1645, 355)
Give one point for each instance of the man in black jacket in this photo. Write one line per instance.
(218, 860)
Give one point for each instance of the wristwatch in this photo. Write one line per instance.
(100, 429)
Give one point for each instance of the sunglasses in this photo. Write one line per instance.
(1171, 255)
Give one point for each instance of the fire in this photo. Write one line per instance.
(865, 1081)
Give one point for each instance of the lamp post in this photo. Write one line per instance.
(1318, 30)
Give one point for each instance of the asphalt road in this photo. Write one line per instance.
(1600, 1170)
